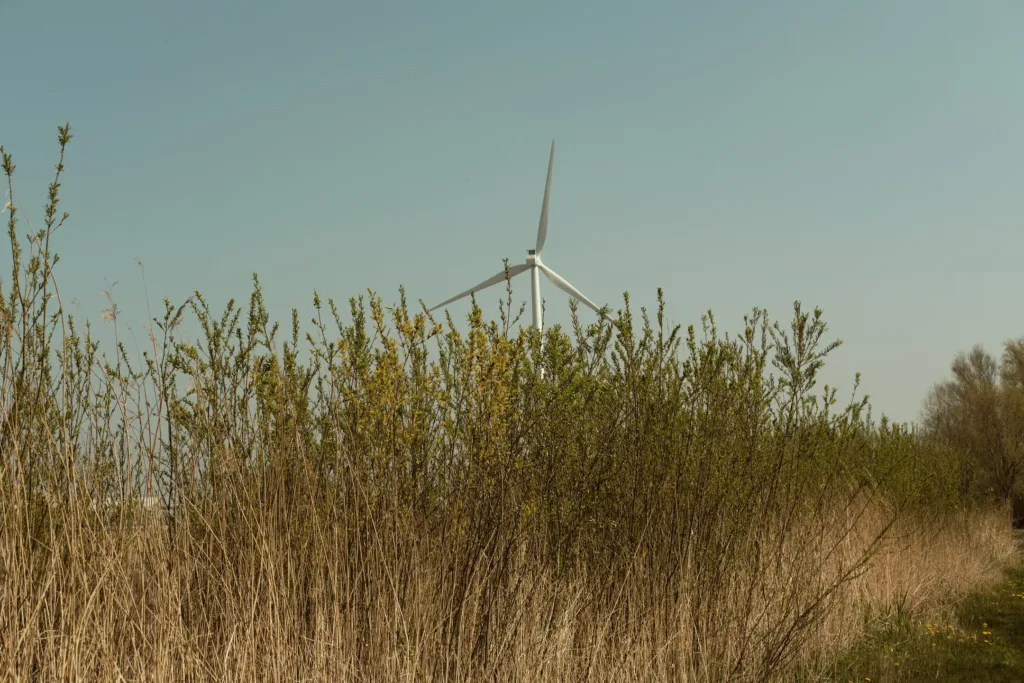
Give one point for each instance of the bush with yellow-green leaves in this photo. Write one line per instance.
(389, 496)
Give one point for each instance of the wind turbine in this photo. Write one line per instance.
(534, 265)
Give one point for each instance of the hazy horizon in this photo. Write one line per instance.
(865, 159)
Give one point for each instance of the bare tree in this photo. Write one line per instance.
(981, 411)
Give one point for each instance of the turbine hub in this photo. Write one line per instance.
(531, 258)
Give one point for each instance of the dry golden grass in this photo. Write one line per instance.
(121, 603)
(921, 572)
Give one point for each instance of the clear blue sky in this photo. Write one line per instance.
(865, 157)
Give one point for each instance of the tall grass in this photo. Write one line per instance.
(387, 497)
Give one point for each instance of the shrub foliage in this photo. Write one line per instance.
(387, 494)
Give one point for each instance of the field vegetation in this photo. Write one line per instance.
(379, 495)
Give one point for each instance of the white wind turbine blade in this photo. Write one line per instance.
(542, 228)
(561, 283)
(500, 277)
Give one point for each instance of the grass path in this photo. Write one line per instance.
(983, 643)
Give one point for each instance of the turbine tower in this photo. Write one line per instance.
(534, 265)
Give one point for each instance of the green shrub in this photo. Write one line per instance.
(387, 462)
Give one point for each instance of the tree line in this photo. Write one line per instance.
(980, 410)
